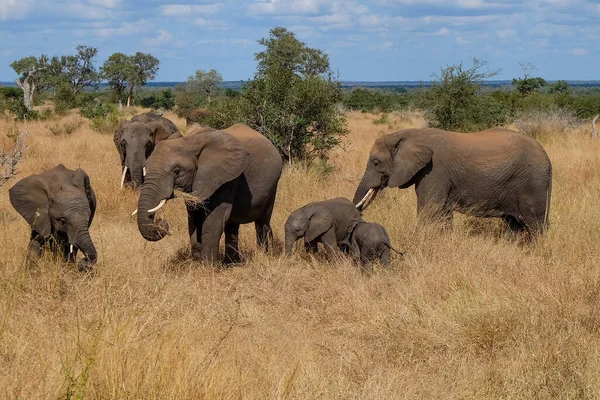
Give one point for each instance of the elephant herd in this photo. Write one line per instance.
(231, 178)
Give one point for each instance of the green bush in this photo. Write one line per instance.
(64, 99)
(186, 101)
(10, 92)
(164, 100)
(104, 118)
(455, 101)
(20, 112)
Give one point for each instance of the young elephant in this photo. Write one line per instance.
(367, 242)
(322, 221)
(59, 206)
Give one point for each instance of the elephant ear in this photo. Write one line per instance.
(29, 197)
(159, 131)
(82, 181)
(319, 222)
(412, 155)
(221, 159)
(117, 139)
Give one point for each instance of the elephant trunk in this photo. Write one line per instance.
(136, 168)
(85, 244)
(365, 193)
(289, 242)
(153, 194)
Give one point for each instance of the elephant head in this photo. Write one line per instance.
(394, 161)
(58, 202)
(198, 163)
(310, 222)
(135, 140)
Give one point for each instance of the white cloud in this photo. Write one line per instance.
(579, 51)
(105, 3)
(184, 10)
(444, 31)
(126, 28)
(506, 34)
(15, 9)
(163, 38)
(212, 24)
(286, 6)
(84, 11)
(235, 42)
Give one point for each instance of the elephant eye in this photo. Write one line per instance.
(63, 220)
(376, 163)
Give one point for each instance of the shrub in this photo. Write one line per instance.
(543, 123)
(455, 102)
(104, 118)
(20, 112)
(163, 100)
(383, 119)
(58, 129)
(64, 99)
(185, 102)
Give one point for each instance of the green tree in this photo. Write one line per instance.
(528, 85)
(293, 98)
(204, 83)
(560, 87)
(115, 71)
(455, 102)
(142, 68)
(79, 69)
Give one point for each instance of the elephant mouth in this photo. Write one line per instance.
(368, 198)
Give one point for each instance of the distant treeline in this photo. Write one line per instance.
(237, 85)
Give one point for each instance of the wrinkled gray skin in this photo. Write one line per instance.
(493, 173)
(233, 172)
(322, 221)
(136, 139)
(59, 206)
(367, 242)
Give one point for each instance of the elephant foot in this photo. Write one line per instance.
(232, 259)
(197, 252)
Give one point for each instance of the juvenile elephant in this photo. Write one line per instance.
(369, 241)
(59, 206)
(322, 221)
(493, 173)
(135, 141)
(232, 175)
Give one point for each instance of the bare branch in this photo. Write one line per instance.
(594, 129)
(9, 160)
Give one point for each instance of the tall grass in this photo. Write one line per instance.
(467, 314)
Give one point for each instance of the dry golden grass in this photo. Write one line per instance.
(467, 314)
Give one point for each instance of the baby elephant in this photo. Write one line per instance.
(322, 221)
(58, 205)
(368, 241)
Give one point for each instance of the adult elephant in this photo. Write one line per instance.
(232, 175)
(493, 173)
(59, 206)
(135, 140)
(196, 116)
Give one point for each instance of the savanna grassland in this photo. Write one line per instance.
(466, 314)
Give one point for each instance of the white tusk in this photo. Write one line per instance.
(71, 249)
(123, 176)
(135, 212)
(162, 203)
(144, 171)
(364, 199)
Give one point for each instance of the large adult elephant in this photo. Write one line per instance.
(135, 141)
(232, 175)
(493, 173)
(59, 206)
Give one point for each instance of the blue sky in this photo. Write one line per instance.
(378, 40)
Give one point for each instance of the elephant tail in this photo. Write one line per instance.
(548, 198)
(400, 253)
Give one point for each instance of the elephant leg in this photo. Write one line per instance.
(330, 241)
(212, 230)
(232, 251)
(195, 222)
(515, 227)
(365, 260)
(385, 256)
(311, 247)
(433, 204)
(264, 233)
